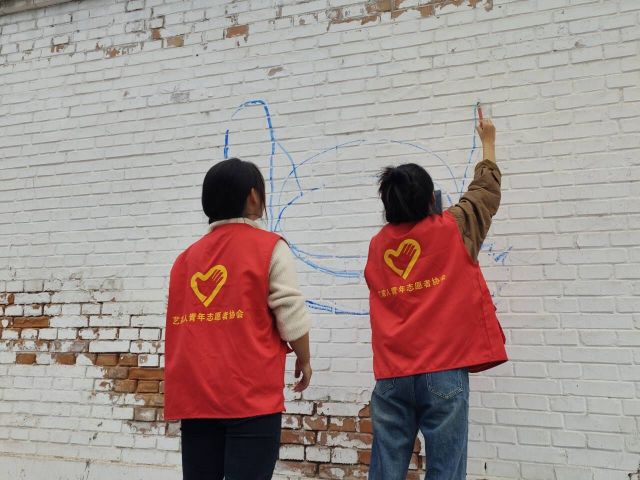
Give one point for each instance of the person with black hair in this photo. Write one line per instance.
(433, 320)
(234, 304)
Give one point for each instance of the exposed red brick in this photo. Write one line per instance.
(11, 298)
(161, 387)
(364, 457)
(342, 424)
(146, 373)
(156, 33)
(426, 10)
(365, 412)
(335, 438)
(314, 422)
(417, 446)
(30, 322)
(65, 358)
(370, 19)
(146, 386)
(128, 360)
(25, 358)
(414, 475)
(365, 425)
(237, 31)
(274, 70)
(176, 41)
(298, 437)
(125, 386)
(291, 421)
(119, 373)
(380, 6)
(107, 359)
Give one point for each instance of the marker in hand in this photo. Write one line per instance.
(480, 116)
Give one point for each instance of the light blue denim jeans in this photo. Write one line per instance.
(435, 403)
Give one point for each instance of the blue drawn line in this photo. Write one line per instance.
(273, 141)
(347, 257)
(336, 273)
(294, 169)
(333, 309)
(498, 257)
(276, 222)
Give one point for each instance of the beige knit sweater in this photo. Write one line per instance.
(285, 298)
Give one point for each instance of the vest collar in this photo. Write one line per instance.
(244, 220)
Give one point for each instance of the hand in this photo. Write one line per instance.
(303, 369)
(487, 131)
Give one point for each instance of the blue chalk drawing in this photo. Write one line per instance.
(291, 192)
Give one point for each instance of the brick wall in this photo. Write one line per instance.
(111, 112)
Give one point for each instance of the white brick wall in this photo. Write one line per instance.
(111, 111)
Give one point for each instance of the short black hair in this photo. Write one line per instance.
(406, 192)
(226, 187)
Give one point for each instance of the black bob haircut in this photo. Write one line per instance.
(226, 187)
(407, 193)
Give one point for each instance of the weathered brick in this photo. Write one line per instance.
(125, 386)
(146, 373)
(315, 422)
(107, 359)
(298, 437)
(343, 424)
(65, 358)
(128, 360)
(119, 373)
(145, 386)
(30, 322)
(236, 31)
(25, 358)
(143, 414)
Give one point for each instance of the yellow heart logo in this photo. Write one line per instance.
(218, 276)
(408, 250)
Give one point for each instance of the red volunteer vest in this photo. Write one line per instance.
(431, 309)
(224, 355)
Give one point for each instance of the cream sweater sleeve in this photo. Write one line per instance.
(285, 298)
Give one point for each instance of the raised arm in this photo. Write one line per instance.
(480, 202)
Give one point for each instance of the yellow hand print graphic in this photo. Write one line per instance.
(217, 276)
(409, 249)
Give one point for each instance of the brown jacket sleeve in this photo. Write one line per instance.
(478, 205)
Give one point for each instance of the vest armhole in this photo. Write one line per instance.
(459, 238)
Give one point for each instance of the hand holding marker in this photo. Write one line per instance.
(487, 132)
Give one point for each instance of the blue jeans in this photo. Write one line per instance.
(437, 404)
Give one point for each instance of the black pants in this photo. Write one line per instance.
(234, 449)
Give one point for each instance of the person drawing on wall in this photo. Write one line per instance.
(234, 303)
(432, 317)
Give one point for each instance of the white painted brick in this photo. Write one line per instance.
(318, 454)
(98, 346)
(344, 456)
(562, 80)
(292, 452)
